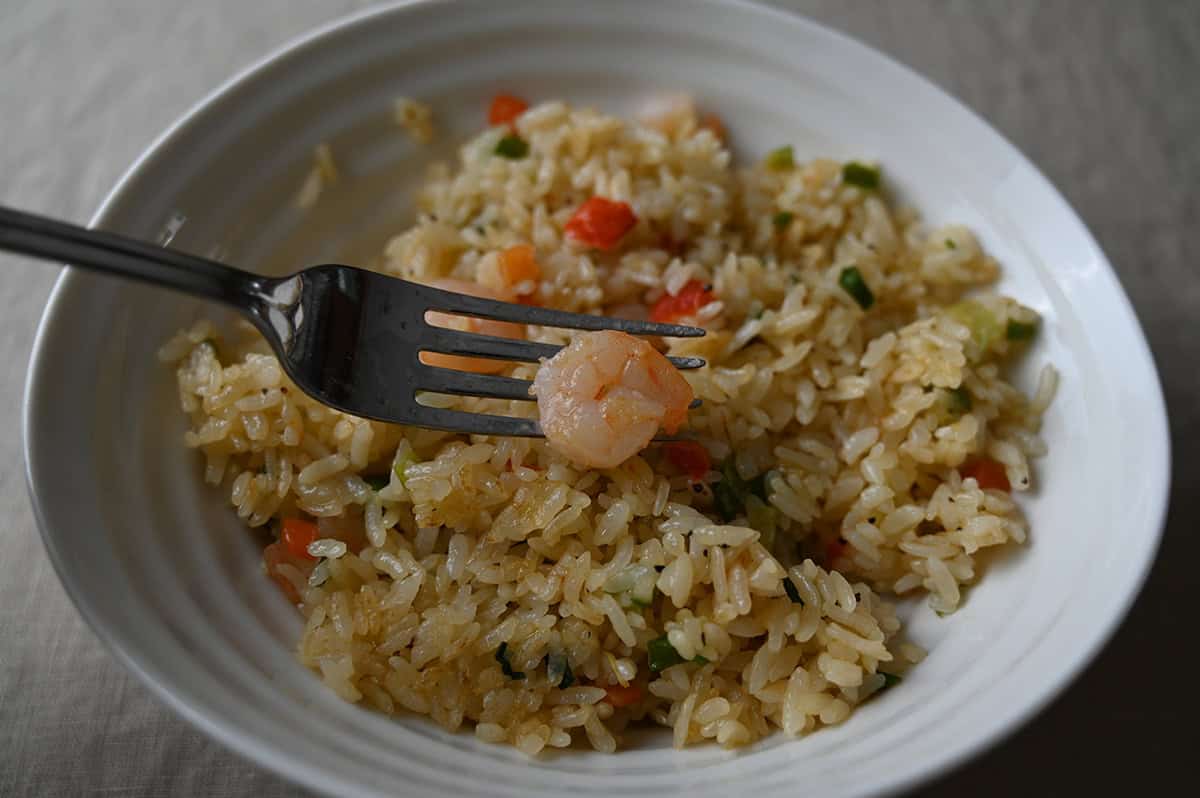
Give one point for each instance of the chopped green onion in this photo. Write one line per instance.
(780, 159)
(758, 485)
(634, 584)
(789, 587)
(726, 499)
(558, 671)
(762, 517)
(950, 244)
(889, 680)
(512, 147)
(730, 494)
(1019, 330)
(505, 665)
(377, 482)
(851, 281)
(400, 468)
(861, 175)
(782, 219)
(958, 400)
(700, 659)
(983, 324)
(662, 654)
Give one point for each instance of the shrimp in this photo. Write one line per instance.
(672, 113)
(500, 329)
(603, 397)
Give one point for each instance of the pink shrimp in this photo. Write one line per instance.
(605, 395)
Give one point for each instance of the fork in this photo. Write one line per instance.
(348, 337)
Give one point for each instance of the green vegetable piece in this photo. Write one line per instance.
(558, 671)
(789, 587)
(512, 147)
(400, 469)
(950, 244)
(377, 482)
(984, 326)
(781, 159)
(1019, 330)
(729, 492)
(505, 665)
(782, 219)
(958, 400)
(727, 500)
(851, 281)
(730, 495)
(758, 486)
(861, 175)
(762, 516)
(889, 680)
(662, 654)
(700, 659)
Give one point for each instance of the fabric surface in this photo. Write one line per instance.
(1101, 95)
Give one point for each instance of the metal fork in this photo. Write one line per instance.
(348, 337)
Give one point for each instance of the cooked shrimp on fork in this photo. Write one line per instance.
(605, 395)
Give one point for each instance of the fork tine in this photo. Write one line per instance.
(456, 342)
(465, 383)
(475, 423)
(546, 317)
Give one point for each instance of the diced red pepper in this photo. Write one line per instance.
(297, 534)
(689, 457)
(620, 696)
(987, 472)
(505, 109)
(690, 299)
(601, 223)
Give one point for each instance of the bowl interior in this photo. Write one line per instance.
(161, 567)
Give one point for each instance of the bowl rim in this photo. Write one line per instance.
(284, 763)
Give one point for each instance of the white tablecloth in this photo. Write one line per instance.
(1104, 96)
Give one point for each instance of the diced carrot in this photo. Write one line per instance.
(620, 696)
(690, 299)
(518, 265)
(505, 108)
(601, 223)
(297, 534)
(689, 457)
(987, 472)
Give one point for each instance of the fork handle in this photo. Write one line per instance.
(50, 239)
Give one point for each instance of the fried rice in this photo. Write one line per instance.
(860, 439)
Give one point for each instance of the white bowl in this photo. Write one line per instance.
(169, 579)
